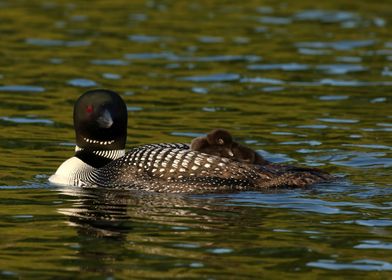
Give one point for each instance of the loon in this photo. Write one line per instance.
(100, 122)
(220, 142)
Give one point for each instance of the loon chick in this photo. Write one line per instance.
(219, 142)
(100, 121)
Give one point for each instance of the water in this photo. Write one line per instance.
(302, 83)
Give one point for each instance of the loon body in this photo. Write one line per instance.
(100, 121)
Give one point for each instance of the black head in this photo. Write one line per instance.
(100, 120)
(219, 137)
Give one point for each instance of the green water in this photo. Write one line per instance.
(302, 82)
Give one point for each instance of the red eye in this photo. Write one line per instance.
(89, 108)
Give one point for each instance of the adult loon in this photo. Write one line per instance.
(219, 142)
(100, 122)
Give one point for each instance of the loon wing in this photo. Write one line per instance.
(176, 169)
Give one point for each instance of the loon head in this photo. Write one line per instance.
(100, 120)
(219, 137)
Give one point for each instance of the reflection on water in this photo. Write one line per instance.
(300, 82)
(148, 228)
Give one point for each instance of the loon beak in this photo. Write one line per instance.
(105, 120)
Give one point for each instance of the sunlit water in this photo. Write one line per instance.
(302, 82)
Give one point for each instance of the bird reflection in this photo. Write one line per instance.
(114, 225)
(110, 213)
(114, 213)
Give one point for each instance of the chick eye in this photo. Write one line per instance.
(89, 108)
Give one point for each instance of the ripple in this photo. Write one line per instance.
(196, 264)
(56, 43)
(325, 16)
(374, 223)
(384, 124)
(82, 83)
(369, 146)
(338, 45)
(307, 51)
(77, 43)
(282, 66)
(343, 83)
(276, 157)
(212, 109)
(374, 244)
(134, 109)
(272, 89)
(210, 58)
(314, 126)
(307, 142)
(365, 265)
(224, 58)
(389, 129)
(210, 39)
(349, 59)
(364, 160)
(186, 245)
(44, 42)
(220, 251)
(386, 72)
(275, 20)
(335, 120)
(144, 38)
(308, 151)
(295, 201)
(109, 62)
(261, 80)
(265, 10)
(56, 60)
(220, 77)
(26, 216)
(111, 76)
(338, 69)
(379, 52)
(379, 22)
(241, 40)
(24, 120)
(138, 17)
(21, 88)
(200, 90)
(333, 97)
(148, 56)
(8, 273)
(282, 133)
(378, 100)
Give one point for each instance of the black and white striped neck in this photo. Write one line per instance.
(98, 158)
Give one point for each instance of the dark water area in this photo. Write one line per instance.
(301, 82)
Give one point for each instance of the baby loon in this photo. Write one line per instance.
(100, 121)
(219, 142)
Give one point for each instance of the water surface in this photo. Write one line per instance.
(302, 83)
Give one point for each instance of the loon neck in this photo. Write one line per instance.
(98, 158)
